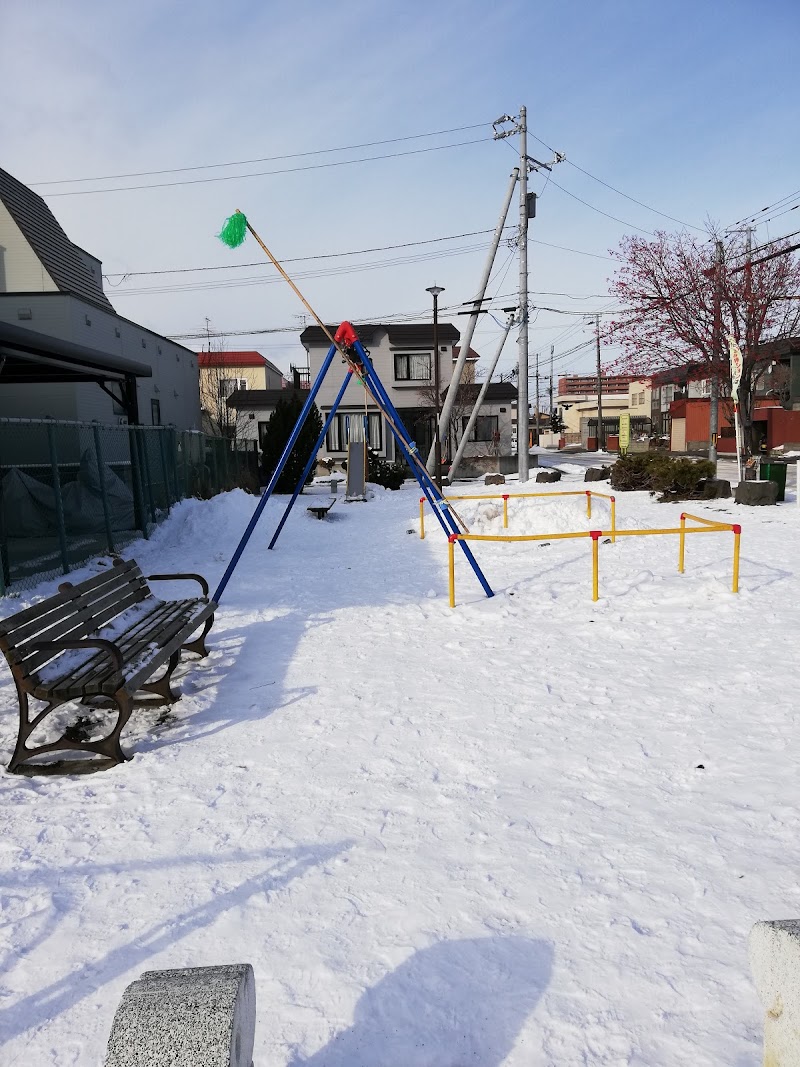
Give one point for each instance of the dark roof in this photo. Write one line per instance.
(499, 391)
(401, 335)
(59, 256)
(26, 355)
(496, 392)
(262, 398)
(472, 355)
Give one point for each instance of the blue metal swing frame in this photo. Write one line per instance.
(358, 361)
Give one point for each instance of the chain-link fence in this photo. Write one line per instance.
(73, 490)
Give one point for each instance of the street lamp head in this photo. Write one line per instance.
(434, 290)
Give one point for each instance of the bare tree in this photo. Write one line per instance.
(466, 395)
(217, 383)
(681, 303)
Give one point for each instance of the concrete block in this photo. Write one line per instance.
(597, 474)
(494, 479)
(756, 493)
(191, 1017)
(716, 489)
(775, 963)
(548, 476)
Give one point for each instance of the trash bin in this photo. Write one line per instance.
(775, 472)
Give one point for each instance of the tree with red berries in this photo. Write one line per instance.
(682, 299)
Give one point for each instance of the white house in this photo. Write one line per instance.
(403, 357)
(64, 351)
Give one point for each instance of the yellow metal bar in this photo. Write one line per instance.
(605, 496)
(505, 511)
(613, 500)
(521, 537)
(737, 536)
(595, 565)
(589, 503)
(709, 522)
(451, 567)
(682, 548)
(422, 518)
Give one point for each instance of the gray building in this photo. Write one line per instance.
(53, 312)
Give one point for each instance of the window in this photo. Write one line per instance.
(634, 400)
(485, 428)
(262, 432)
(346, 428)
(412, 366)
(230, 385)
(155, 412)
(641, 398)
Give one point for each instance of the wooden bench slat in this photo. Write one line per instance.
(117, 575)
(166, 650)
(100, 663)
(98, 673)
(83, 624)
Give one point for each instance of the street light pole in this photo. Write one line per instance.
(435, 290)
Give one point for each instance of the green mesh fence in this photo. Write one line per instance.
(70, 491)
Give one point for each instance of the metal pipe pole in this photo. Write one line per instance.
(474, 415)
(713, 418)
(536, 429)
(435, 290)
(522, 340)
(466, 337)
(600, 435)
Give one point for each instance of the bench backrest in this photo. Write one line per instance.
(74, 613)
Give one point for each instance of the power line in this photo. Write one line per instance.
(619, 192)
(299, 259)
(262, 159)
(630, 225)
(267, 173)
(338, 255)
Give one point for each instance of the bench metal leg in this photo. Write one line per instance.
(107, 746)
(199, 643)
(162, 686)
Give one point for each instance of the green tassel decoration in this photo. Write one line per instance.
(234, 231)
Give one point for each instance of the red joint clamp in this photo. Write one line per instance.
(595, 534)
(683, 516)
(345, 335)
(452, 538)
(422, 500)
(736, 528)
(505, 496)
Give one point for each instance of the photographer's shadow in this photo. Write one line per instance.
(456, 1004)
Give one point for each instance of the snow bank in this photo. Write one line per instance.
(531, 830)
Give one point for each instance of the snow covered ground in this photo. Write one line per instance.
(530, 830)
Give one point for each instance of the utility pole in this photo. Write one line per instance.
(527, 210)
(600, 435)
(466, 337)
(713, 418)
(522, 340)
(536, 431)
(550, 409)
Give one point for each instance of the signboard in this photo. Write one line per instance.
(736, 367)
(624, 432)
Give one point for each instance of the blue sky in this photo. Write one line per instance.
(690, 108)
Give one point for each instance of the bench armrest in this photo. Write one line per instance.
(96, 642)
(177, 577)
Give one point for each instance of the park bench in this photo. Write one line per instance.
(98, 643)
(321, 508)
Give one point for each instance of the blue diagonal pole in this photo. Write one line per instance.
(298, 426)
(311, 459)
(407, 446)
